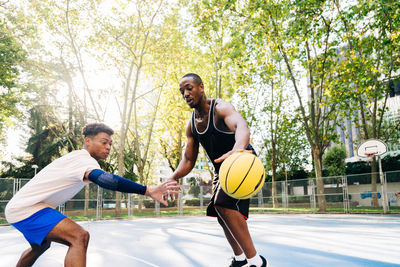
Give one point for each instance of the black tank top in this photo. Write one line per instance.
(216, 142)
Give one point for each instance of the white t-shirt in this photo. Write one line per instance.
(52, 186)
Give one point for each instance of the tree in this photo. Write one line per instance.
(334, 160)
(12, 91)
(274, 124)
(49, 139)
(129, 46)
(304, 33)
(215, 23)
(370, 62)
(174, 59)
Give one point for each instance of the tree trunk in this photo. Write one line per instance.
(121, 171)
(374, 187)
(320, 182)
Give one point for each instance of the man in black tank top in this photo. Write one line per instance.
(221, 130)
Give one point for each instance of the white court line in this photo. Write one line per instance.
(125, 255)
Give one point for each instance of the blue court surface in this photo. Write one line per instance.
(285, 240)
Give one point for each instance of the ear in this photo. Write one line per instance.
(201, 87)
(87, 141)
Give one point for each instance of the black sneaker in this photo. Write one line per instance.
(236, 263)
(264, 264)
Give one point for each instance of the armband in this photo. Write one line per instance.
(115, 182)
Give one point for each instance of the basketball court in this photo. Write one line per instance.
(285, 240)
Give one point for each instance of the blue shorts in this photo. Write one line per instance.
(36, 227)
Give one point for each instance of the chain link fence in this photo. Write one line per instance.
(343, 194)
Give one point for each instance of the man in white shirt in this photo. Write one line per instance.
(32, 209)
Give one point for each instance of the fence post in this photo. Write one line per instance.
(129, 205)
(61, 208)
(180, 202)
(157, 208)
(16, 185)
(313, 198)
(346, 202)
(284, 196)
(260, 201)
(201, 199)
(99, 203)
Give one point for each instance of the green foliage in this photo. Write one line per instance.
(391, 163)
(358, 167)
(196, 202)
(49, 139)
(334, 160)
(360, 171)
(150, 204)
(192, 181)
(194, 190)
(11, 92)
(296, 174)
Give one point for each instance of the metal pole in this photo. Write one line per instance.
(284, 196)
(129, 205)
(260, 201)
(201, 199)
(382, 178)
(346, 202)
(313, 197)
(35, 167)
(180, 198)
(157, 207)
(99, 204)
(285, 206)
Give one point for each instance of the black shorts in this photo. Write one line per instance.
(221, 199)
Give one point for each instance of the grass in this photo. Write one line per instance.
(140, 214)
(294, 210)
(339, 209)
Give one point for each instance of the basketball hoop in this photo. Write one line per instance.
(371, 148)
(370, 155)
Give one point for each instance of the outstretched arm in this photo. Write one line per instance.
(189, 158)
(118, 183)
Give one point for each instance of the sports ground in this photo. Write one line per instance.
(285, 240)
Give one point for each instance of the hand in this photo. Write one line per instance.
(169, 194)
(227, 154)
(159, 192)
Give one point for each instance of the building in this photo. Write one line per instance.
(200, 170)
(350, 134)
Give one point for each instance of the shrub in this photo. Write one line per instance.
(196, 201)
(150, 204)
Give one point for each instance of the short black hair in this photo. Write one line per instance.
(92, 129)
(195, 77)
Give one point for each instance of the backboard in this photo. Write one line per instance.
(371, 147)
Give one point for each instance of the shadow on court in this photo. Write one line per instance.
(286, 240)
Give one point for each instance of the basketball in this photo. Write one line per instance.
(241, 175)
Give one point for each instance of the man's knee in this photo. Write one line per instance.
(84, 238)
(81, 238)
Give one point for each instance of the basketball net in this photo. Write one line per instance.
(370, 155)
